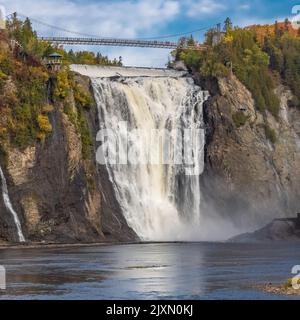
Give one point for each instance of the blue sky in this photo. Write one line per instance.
(145, 18)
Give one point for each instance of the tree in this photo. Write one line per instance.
(286, 24)
(120, 63)
(191, 41)
(71, 56)
(98, 58)
(278, 31)
(227, 25)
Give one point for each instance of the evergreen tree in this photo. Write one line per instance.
(120, 63)
(286, 24)
(191, 41)
(278, 31)
(227, 25)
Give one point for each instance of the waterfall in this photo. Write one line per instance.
(10, 208)
(160, 201)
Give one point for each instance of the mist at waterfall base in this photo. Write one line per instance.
(160, 202)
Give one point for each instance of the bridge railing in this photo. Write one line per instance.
(118, 42)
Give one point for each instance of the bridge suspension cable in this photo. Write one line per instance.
(94, 36)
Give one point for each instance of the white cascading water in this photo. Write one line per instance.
(159, 201)
(10, 208)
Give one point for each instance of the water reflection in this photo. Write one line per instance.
(160, 270)
(166, 271)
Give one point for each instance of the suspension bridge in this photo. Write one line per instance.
(88, 40)
(115, 42)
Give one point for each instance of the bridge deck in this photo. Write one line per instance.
(116, 42)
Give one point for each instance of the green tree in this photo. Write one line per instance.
(286, 24)
(227, 25)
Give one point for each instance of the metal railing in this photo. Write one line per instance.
(118, 42)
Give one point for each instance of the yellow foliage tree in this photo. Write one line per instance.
(62, 85)
(44, 124)
(228, 38)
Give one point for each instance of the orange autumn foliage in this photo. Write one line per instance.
(262, 31)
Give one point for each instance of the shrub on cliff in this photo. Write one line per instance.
(62, 85)
(65, 85)
(270, 134)
(22, 98)
(81, 96)
(44, 126)
(239, 119)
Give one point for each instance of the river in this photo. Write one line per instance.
(148, 271)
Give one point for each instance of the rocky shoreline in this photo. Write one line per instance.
(284, 229)
(280, 290)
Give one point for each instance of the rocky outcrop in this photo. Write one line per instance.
(60, 196)
(20, 162)
(278, 229)
(249, 179)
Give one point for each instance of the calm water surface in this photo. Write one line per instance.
(148, 271)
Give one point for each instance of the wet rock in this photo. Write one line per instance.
(179, 66)
(247, 179)
(278, 229)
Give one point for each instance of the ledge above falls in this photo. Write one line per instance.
(95, 71)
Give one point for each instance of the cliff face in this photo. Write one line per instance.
(252, 161)
(252, 172)
(58, 195)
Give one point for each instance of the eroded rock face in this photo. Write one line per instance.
(248, 179)
(20, 162)
(59, 196)
(31, 212)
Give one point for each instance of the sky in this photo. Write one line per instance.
(144, 19)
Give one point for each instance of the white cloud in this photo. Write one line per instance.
(121, 19)
(244, 6)
(204, 8)
(112, 19)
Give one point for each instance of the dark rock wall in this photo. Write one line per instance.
(249, 180)
(59, 196)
